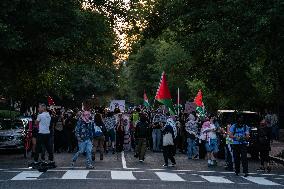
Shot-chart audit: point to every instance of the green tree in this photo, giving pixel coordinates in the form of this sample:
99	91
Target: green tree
54	47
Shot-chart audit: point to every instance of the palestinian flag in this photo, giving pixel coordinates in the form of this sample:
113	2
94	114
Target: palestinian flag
163	94
146	102
199	104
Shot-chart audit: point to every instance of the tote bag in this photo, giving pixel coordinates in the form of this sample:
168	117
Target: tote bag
168	139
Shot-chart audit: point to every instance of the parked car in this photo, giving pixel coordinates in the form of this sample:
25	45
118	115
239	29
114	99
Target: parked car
252	119
12	134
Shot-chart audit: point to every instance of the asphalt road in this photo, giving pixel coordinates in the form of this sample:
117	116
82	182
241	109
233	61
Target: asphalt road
124	171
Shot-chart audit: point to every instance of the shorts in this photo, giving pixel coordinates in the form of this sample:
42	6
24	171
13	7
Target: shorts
213	146
110	136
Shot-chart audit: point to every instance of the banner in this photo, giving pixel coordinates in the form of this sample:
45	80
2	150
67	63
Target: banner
117	104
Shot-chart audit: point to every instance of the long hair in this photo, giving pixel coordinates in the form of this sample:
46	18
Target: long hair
98	118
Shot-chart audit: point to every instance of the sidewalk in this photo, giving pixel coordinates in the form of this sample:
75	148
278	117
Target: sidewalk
277	147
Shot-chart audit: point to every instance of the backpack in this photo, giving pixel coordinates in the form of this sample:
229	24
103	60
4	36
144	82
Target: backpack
59	126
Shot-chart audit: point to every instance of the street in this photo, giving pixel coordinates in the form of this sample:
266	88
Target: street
124	171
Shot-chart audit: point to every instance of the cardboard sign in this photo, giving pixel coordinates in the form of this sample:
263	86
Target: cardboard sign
117	104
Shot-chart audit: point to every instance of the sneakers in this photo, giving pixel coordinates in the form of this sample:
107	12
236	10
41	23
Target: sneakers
165	165
196	157
90	167
72	164
141	160
246	175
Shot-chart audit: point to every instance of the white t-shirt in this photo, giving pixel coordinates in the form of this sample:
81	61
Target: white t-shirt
44	122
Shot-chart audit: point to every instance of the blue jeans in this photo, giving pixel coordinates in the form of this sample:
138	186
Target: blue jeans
156	135
191	148
85	146
212	146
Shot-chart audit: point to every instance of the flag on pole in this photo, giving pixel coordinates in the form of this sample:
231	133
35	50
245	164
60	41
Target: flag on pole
146	101
50	101
199	104
163	94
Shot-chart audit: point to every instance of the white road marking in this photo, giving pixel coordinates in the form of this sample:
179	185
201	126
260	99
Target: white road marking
156	169
146	179
197	181
123	160
76	174
122	175
261	181
169	176
27	175
217	179
206	171
183	170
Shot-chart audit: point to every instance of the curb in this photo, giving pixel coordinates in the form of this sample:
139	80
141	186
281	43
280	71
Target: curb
277	159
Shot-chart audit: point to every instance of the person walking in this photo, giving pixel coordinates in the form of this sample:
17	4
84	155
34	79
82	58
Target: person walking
43	137
120	134
275	127
156	133
191	134
99	134
110	122
141	131
83	132
263	141
169	135
229	155
239	132
208	132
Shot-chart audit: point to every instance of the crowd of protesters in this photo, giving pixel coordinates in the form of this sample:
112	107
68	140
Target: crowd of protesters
98	130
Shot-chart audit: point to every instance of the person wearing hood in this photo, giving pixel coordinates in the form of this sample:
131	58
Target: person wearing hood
191	128
169	133
84	134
